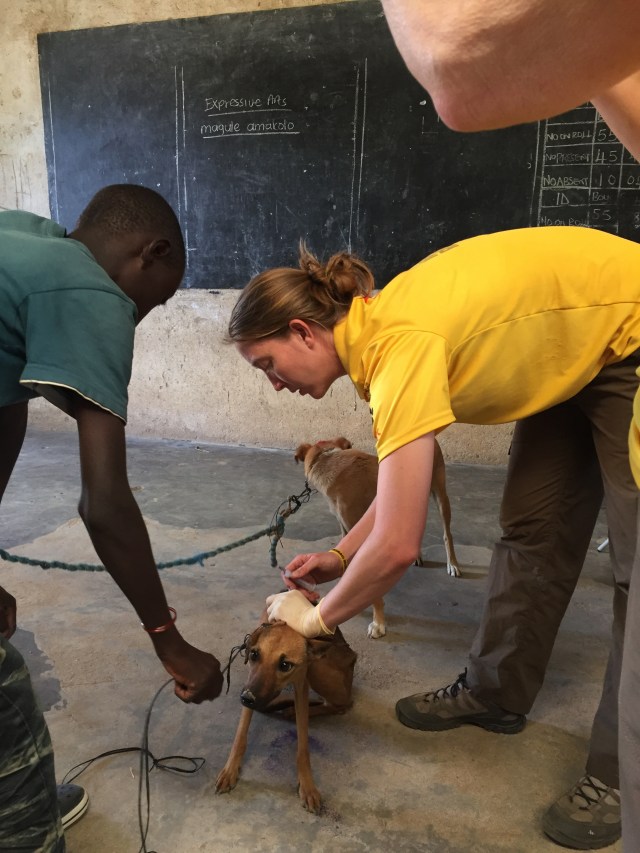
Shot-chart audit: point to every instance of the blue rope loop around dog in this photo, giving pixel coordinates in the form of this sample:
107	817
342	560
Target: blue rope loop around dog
275	531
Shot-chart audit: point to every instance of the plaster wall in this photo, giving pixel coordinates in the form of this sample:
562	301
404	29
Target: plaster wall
186	382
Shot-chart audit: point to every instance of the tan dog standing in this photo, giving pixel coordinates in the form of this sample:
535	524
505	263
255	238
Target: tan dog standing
278	657
348	479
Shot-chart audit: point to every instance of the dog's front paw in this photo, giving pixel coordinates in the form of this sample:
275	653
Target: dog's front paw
376	630
227	779
310	798
453	570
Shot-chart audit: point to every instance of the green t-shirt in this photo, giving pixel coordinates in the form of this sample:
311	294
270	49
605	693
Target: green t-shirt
65	326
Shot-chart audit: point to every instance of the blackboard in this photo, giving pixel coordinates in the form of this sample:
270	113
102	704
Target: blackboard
266	127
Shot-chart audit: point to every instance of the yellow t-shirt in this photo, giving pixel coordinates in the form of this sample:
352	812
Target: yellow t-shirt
492	329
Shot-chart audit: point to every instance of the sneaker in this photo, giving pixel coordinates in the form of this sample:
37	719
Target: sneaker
73	801
587	817
454	706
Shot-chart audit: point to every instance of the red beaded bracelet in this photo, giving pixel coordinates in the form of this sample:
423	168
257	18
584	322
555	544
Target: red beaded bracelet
162	628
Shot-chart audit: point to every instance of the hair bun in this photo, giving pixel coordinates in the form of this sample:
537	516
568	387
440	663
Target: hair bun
341	273
315	292
316	271
343	276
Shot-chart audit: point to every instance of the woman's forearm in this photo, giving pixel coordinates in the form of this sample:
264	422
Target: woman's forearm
375	569
392	529
352	541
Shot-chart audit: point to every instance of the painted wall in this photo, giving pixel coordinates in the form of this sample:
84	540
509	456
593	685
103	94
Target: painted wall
186	382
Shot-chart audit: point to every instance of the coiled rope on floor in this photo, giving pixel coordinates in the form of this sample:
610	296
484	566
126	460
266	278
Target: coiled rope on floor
275	530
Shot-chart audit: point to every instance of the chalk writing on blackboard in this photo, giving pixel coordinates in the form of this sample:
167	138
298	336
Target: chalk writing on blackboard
250	116
586	176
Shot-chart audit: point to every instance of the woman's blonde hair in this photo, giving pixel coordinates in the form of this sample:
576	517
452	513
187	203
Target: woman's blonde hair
316	292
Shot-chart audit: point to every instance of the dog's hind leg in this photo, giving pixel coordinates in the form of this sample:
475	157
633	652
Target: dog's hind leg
307	791
439	491
228	776
377	627
453	567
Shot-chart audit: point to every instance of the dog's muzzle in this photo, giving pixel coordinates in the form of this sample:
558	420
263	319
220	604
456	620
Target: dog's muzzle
248	699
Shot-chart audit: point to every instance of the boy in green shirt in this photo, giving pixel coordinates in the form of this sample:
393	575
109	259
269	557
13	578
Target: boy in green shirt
69	305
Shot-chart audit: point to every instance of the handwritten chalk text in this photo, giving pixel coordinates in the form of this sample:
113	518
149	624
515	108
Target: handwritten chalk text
225	104
248	116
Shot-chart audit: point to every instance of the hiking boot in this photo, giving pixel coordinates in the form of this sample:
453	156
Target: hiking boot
454	706
586	818
73	801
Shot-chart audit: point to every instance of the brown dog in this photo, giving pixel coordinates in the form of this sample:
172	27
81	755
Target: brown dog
278	656
348	479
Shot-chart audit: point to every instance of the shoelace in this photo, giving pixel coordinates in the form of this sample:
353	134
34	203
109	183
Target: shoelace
451	690
599	790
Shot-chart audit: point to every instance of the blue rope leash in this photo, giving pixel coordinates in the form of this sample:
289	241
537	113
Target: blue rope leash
293	502
275	531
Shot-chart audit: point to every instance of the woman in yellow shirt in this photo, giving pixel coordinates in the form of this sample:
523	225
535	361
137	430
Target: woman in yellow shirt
539	326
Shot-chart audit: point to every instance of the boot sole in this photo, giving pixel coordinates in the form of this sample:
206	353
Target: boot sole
574	843
490	725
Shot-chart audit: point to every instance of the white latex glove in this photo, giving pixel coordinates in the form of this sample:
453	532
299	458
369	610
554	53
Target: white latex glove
293	608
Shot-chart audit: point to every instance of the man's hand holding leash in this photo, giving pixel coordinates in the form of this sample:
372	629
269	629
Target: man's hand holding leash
196	673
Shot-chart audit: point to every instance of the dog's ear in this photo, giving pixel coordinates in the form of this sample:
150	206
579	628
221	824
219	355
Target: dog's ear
301	452
342	442
252	638
317	647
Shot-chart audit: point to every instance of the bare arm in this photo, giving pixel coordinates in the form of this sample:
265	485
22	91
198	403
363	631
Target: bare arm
112	516
352	541
489	64
120	537
620	108
324	566
402	501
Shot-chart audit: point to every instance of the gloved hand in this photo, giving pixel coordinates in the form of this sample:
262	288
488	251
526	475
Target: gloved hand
293	608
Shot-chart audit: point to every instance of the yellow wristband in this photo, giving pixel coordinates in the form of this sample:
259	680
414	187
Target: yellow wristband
325	630
343	559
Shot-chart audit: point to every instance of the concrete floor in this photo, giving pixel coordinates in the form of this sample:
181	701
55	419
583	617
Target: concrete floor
385	787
